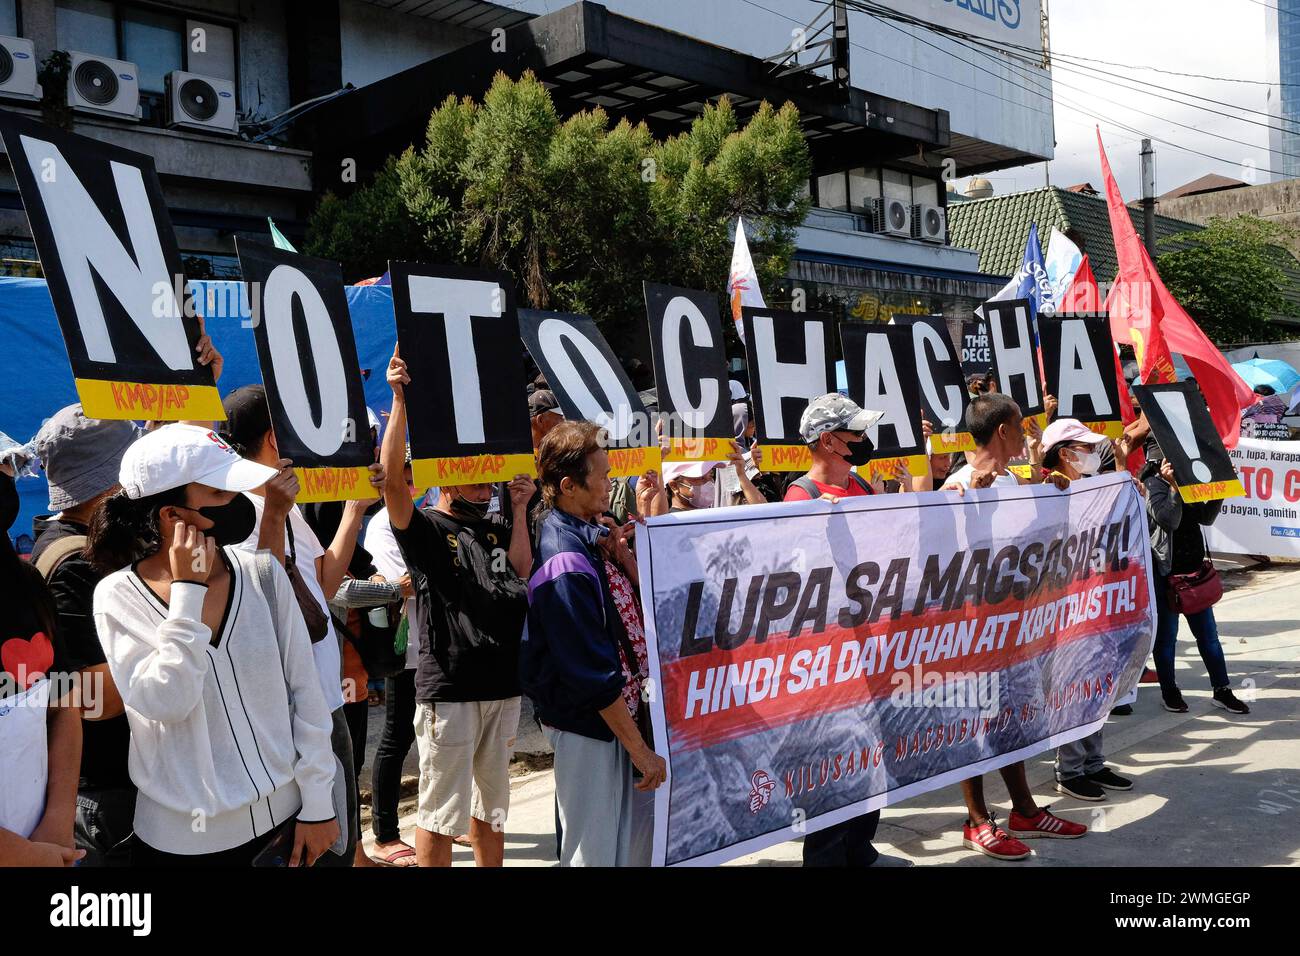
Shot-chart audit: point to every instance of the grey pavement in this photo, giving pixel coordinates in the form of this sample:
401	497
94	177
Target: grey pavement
1210	788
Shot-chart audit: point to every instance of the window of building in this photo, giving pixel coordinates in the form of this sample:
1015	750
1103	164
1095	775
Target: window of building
864	186
87	26
897	185
155	43
9	18
925	191
832	191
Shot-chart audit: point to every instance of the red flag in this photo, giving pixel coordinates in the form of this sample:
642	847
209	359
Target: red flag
1082	295
1143	311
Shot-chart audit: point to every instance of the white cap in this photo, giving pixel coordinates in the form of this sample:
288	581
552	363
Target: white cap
738	393
176	455
673	470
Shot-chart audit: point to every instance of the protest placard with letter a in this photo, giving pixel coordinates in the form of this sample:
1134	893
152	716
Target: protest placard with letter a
880	364
1079	369
944	395
114	270
690	372
1015	359
791	359
1180	421
459	334
590	384
308	358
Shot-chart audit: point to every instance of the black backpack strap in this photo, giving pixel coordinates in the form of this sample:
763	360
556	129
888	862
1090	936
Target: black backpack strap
862	483
807	486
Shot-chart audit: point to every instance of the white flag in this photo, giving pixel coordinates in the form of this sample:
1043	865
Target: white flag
1062	263
742	286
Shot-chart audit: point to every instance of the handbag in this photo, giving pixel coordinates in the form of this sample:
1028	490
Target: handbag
1194	592
317	621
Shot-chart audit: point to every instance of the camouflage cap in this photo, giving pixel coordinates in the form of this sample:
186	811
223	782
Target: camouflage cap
834	413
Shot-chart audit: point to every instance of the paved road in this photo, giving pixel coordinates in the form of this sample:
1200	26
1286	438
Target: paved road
1211	789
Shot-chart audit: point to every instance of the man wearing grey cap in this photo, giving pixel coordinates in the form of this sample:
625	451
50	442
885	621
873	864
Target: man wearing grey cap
81	457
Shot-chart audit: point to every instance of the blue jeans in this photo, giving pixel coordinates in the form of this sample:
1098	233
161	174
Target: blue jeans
1203	628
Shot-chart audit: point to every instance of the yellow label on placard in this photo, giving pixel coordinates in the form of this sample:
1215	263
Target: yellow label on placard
699	449
1028	419
949	443
1112	430
334	484
1212	491
1024	471
144	402
624	462
470	470
887	467
786	457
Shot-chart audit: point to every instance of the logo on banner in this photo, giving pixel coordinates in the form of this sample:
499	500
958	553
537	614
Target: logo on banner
761	788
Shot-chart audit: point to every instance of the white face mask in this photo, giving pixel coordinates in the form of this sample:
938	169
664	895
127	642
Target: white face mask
1088	463
699	496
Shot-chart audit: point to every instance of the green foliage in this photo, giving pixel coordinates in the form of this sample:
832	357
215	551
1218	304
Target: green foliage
579	212
1232	277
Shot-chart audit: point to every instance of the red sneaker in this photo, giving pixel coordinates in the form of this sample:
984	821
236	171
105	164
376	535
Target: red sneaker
991	840
1149	676
1045	825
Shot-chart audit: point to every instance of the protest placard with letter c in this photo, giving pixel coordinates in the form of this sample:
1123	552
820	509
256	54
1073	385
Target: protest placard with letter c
791	360
944	395
308	357
459	335
690	372
114	271
590	384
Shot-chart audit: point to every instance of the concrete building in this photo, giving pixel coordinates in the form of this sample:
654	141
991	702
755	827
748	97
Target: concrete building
1277	202
893	111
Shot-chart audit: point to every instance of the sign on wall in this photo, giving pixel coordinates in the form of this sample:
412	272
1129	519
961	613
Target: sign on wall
690	372
590	384
308	358
791	359
108	251
459	335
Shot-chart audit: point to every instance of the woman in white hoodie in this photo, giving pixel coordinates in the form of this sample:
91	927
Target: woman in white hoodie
230	736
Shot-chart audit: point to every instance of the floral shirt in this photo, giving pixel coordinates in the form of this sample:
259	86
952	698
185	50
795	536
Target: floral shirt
620	587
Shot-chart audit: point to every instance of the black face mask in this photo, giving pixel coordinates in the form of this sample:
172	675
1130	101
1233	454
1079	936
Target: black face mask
232	522
469	510
859	451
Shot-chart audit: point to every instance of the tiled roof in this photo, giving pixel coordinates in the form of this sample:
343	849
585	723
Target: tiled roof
1209	183
997	227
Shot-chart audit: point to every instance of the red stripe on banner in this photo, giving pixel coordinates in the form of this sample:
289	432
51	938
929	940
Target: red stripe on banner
717	687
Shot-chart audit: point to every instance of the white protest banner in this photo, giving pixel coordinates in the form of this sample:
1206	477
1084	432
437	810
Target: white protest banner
1267	521
114	270
816	661
308	358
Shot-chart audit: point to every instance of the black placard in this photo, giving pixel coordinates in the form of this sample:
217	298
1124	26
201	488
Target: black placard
110	257
585	375
791	358
944	396
1015	359
308	357
459	335
1180	421
880	364
690	370
976	355
1079	366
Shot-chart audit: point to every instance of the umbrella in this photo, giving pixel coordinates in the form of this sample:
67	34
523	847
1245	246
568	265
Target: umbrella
1275	373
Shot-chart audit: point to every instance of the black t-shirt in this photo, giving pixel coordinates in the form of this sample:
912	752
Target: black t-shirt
471	604
104	743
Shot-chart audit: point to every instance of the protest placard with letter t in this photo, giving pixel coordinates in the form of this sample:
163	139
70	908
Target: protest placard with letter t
1180	421
459	334
114	270
309	363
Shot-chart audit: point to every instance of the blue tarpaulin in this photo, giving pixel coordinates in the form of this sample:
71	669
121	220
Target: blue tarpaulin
36	380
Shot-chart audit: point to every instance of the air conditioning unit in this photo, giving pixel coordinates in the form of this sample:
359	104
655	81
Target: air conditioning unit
201	102
97	84
892	216
929	222
18	70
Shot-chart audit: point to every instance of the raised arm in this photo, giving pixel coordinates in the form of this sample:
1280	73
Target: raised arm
397	498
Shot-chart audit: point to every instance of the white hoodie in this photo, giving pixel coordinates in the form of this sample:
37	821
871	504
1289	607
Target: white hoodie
227	741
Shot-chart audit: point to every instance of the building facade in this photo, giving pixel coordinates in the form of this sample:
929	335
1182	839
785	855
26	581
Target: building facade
892	111
1282	25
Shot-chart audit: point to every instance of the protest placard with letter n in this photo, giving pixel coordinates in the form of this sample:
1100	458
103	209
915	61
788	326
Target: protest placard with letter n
590	384
459	335
690	372
308	358
791	360
1015	359
114	270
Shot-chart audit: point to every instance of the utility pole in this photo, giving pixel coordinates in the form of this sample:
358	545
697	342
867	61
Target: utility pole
1148	167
